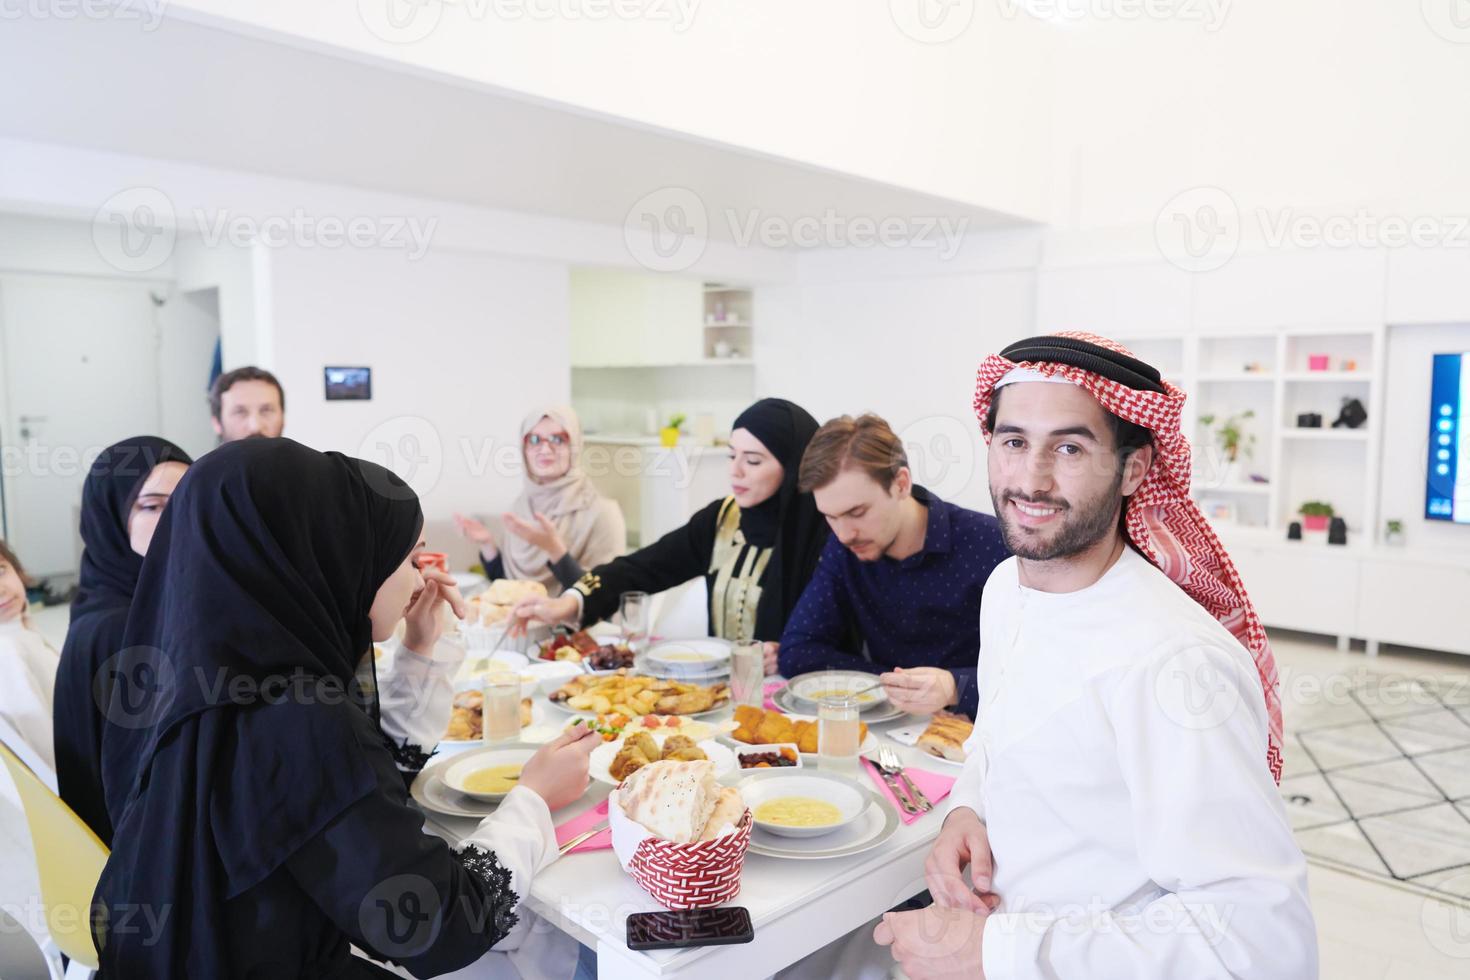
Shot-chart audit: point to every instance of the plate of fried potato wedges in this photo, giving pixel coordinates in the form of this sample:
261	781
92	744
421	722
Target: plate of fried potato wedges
613	762
756	726
633	695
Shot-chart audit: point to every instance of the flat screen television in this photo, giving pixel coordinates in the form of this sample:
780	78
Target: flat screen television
1447	497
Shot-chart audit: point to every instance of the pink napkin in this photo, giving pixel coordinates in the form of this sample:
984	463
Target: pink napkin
771	688
931	784
586	822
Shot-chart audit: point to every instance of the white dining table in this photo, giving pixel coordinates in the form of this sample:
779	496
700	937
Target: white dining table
796	906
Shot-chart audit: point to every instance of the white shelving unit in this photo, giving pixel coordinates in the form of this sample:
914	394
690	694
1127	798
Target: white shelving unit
1267	373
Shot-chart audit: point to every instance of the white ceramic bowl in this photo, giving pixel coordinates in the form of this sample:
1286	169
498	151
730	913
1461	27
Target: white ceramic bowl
774	784
698	656
469	762
742	750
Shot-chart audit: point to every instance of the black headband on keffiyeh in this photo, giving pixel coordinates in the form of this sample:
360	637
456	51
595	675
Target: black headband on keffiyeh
1162	519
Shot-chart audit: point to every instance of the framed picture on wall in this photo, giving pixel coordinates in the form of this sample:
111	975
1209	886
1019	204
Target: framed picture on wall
348	383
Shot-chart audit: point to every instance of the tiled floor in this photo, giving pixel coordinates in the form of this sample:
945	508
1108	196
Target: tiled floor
1369	928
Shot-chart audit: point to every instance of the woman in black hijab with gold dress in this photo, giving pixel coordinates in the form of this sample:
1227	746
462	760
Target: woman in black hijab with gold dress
261	825
756	548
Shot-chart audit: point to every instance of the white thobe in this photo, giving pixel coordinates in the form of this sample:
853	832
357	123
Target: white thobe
1119	764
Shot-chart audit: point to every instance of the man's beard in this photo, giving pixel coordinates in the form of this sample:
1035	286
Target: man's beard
1095	520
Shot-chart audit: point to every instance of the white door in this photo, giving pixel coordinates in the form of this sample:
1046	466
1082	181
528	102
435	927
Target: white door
80	372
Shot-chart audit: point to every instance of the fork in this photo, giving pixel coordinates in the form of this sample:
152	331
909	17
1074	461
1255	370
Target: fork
891	782
891	764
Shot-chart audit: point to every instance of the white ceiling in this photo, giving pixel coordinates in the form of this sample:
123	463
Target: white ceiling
206	96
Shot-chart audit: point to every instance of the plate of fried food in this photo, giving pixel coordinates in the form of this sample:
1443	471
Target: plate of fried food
613	762
466	722
634	696
755	726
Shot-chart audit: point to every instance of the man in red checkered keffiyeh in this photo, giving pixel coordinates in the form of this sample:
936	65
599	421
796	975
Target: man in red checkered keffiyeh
1113	816
1162	520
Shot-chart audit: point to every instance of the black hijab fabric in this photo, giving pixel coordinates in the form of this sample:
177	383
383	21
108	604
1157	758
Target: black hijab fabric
788	521
99	612
231	744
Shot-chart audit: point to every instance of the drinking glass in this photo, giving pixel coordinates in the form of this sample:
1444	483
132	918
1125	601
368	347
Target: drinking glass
837	734
501	711
633	615
748	674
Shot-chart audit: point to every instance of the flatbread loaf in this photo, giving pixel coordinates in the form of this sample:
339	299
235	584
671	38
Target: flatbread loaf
509	591
727	813
672	800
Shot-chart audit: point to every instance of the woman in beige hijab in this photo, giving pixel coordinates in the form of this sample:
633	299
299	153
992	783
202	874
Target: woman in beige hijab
560	524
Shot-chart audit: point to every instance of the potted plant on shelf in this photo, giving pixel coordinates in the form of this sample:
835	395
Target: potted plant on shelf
1316	515
1234	442
1393	533
668	436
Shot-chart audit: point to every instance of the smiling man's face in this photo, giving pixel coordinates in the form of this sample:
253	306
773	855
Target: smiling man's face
1055	477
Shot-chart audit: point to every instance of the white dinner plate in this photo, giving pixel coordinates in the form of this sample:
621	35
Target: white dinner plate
602	757
909	735
877	822
877	715
807	689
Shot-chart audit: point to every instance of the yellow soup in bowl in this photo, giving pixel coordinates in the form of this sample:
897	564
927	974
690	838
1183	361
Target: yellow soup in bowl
797	811
493	779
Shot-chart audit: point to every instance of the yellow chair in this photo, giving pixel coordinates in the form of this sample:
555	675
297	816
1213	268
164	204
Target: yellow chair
69	860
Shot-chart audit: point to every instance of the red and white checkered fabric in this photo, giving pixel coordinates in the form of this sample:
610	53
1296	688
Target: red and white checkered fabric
1163	521
700	875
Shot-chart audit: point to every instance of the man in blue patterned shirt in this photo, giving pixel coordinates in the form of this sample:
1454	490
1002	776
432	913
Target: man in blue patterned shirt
903	571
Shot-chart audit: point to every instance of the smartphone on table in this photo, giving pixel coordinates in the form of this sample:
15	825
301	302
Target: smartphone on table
722	926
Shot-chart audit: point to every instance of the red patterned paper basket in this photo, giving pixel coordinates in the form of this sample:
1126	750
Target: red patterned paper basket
699	875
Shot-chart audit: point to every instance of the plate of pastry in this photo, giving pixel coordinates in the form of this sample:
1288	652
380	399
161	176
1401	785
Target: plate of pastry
755	726
942	737
634	696
466	721
612	762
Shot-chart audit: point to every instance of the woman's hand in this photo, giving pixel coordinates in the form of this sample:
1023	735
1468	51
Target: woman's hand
543	534
773	653
424	621
559	610
558	771
477	532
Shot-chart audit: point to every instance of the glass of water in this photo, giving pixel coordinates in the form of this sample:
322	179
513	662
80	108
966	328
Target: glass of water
748	674
501	712
837	734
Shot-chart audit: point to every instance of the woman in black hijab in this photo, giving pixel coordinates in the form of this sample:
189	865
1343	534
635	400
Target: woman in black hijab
259	815
757	548
122	498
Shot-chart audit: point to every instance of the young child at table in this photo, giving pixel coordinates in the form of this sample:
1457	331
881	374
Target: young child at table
27	663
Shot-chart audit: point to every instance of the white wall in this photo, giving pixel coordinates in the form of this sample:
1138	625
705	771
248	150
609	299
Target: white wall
460	345
188	324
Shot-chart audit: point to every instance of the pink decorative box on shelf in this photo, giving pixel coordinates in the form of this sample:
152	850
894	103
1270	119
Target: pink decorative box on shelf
1316	362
